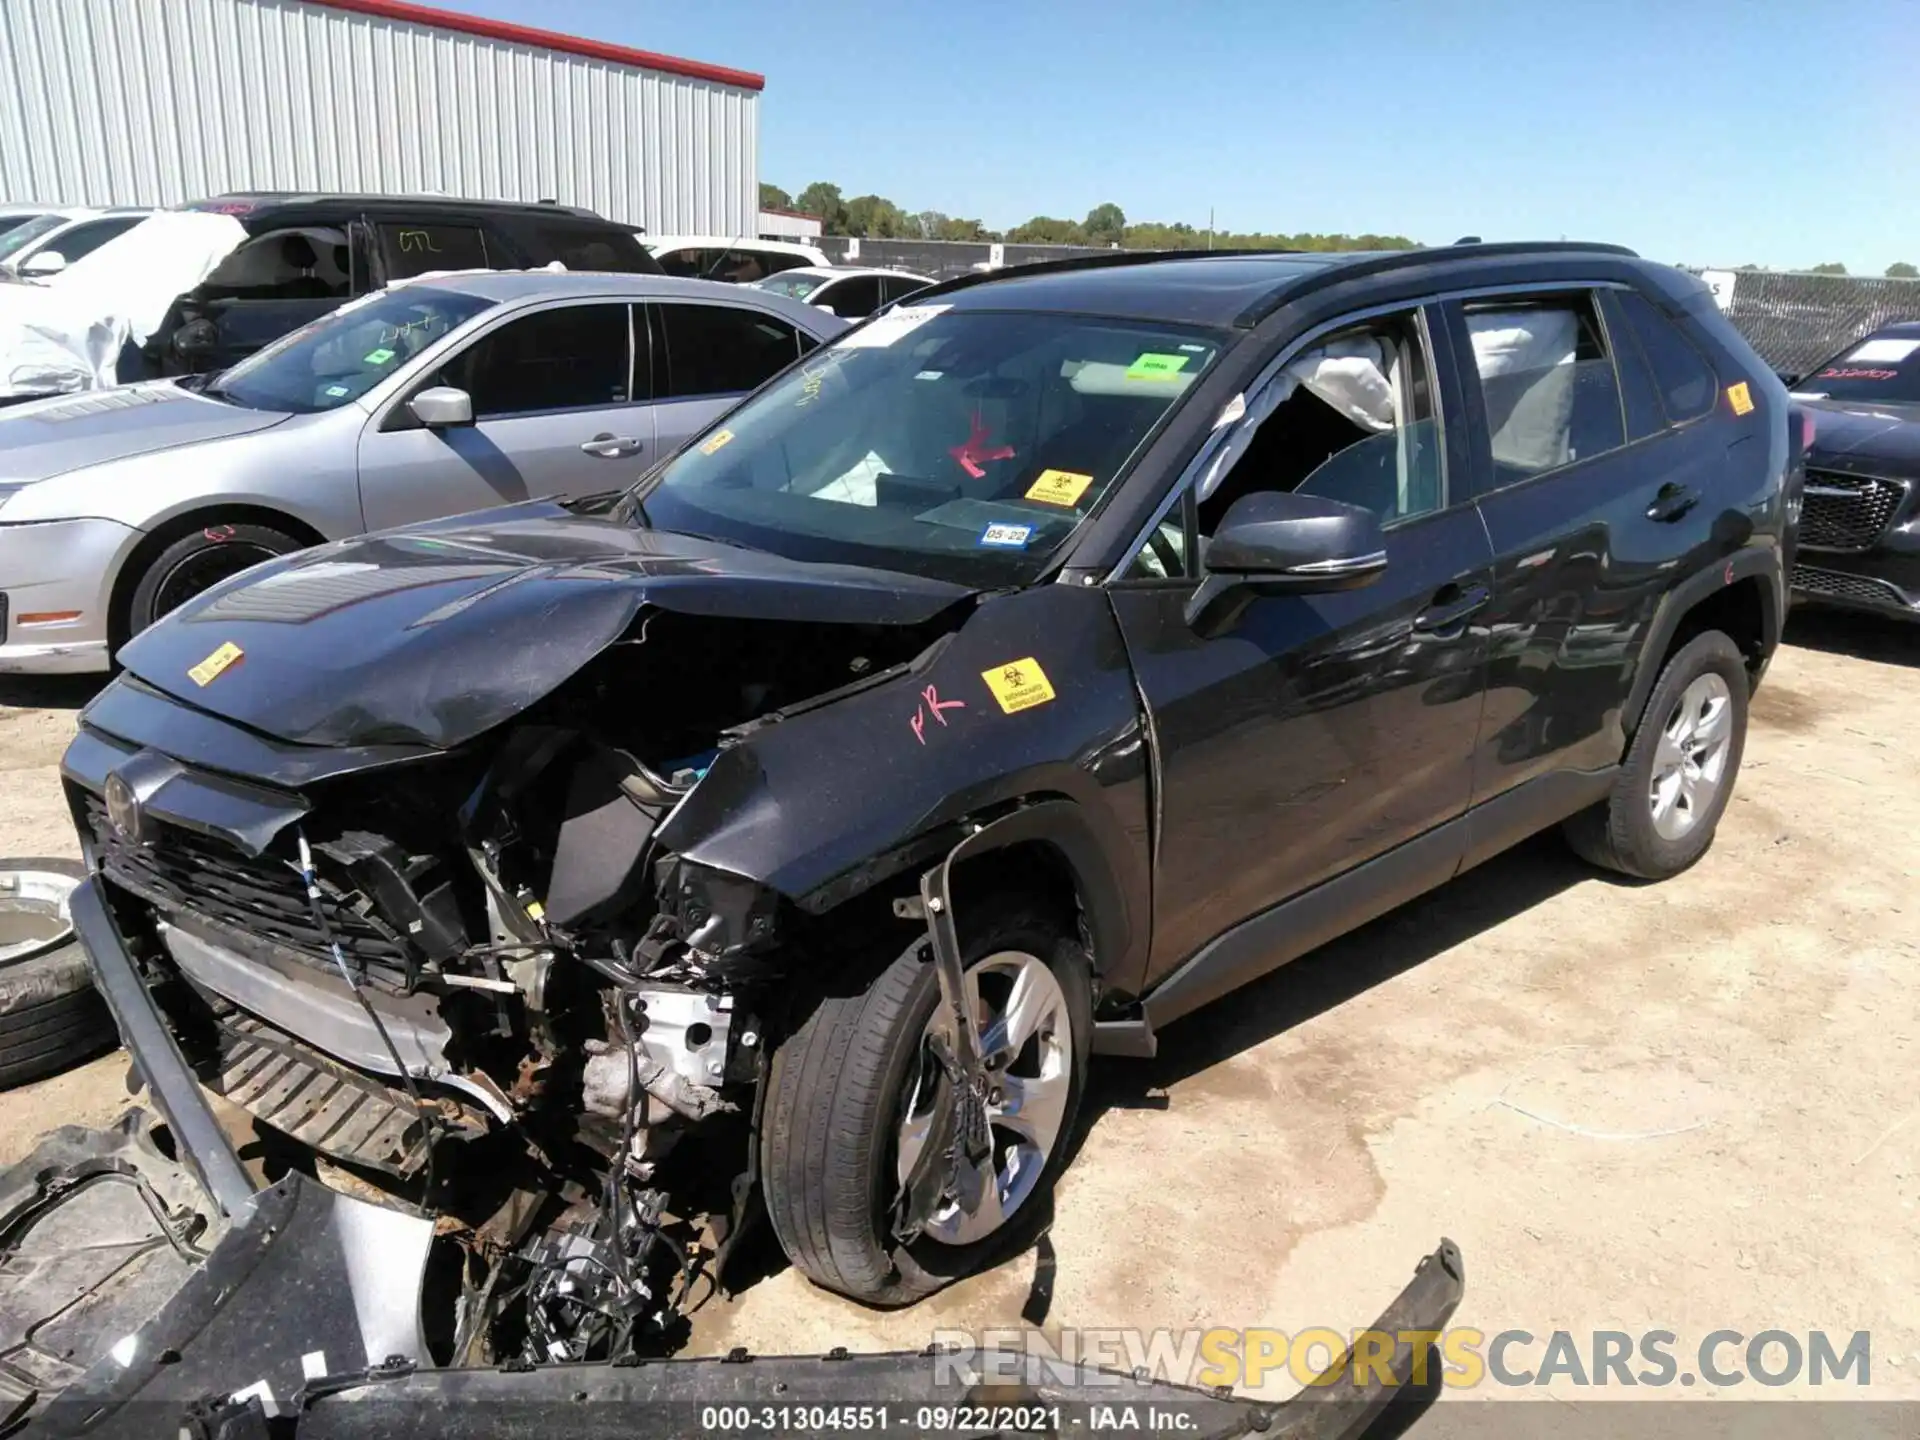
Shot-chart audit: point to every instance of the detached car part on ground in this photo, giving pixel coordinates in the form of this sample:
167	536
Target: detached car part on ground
1860	529
1007	680
137	1306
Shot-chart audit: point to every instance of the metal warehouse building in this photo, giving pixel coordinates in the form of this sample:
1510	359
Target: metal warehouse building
153	102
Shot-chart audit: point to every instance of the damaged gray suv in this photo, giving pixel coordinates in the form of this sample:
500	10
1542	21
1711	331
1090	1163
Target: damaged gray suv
1007	679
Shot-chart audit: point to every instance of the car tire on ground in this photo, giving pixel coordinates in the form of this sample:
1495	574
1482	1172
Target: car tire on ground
197	561
51	1018
848	1086
1680	769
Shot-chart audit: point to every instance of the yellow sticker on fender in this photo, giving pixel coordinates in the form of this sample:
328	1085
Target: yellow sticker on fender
208	670
1059	487
1018	685
1740	398
720	437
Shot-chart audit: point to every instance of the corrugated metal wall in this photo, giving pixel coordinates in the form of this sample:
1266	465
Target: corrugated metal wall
152	102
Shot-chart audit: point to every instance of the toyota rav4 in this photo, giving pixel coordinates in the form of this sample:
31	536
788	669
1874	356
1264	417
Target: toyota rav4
1001	683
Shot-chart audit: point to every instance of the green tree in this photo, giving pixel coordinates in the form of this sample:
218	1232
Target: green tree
1901	270
772	197
1105	225
1046	230
1832	267
871	215
958	229
824	200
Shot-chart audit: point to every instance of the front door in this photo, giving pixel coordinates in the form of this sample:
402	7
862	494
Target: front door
554	410
1317	732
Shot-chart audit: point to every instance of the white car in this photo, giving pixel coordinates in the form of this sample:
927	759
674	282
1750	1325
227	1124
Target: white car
849	291
740	259
46	242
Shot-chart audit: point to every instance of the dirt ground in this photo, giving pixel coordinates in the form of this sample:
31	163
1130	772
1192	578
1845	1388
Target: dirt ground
1689	1106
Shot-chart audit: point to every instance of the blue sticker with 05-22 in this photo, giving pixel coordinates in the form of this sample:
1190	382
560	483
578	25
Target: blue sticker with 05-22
1011	537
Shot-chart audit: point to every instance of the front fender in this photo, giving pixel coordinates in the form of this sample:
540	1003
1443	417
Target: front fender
825	804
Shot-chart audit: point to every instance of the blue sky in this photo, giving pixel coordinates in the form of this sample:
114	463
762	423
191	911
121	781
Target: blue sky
1697	131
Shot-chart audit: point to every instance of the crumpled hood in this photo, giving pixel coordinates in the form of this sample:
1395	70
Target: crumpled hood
45	438
1856	435
434	634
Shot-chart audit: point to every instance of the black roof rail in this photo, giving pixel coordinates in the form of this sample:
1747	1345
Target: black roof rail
1109	260
1379	262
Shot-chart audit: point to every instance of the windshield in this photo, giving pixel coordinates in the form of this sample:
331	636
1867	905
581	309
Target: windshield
963	446
341	356
1883	367
792	283
23	235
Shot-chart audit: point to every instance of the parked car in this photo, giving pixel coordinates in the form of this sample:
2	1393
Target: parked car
1860	527
1036	663
47	243
422	400
736	259
12	216
848	291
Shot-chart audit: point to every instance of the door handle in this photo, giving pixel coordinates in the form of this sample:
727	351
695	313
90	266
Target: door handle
1451	605
1670	502
611	447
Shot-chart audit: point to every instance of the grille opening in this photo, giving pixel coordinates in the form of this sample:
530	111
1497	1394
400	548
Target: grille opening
1836	585
1851	514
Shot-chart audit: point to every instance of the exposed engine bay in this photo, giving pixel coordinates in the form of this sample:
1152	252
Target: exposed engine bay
478	985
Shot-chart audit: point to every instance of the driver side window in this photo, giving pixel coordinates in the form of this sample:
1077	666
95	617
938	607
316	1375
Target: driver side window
1351	418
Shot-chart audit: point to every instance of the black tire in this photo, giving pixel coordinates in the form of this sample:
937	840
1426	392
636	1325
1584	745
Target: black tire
835	1092
1618	833
51	1018
197	561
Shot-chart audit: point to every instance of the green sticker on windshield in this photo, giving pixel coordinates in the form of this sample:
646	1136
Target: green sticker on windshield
336	391
1151	366
378	357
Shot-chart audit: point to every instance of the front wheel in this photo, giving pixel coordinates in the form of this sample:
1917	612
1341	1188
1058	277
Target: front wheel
198	561
856	1095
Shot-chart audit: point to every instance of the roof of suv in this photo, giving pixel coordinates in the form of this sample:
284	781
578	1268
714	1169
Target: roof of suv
1198	287
256	201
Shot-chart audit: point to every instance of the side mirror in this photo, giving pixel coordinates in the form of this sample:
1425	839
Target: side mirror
1789	378
1277	542
47	262
441	407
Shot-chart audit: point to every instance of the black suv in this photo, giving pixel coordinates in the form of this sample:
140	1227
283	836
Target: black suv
306	255
1009	678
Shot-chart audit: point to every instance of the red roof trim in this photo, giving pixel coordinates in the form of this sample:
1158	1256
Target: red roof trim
548	40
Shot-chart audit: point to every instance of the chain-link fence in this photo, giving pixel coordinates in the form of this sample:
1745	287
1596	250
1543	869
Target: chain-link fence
1795	321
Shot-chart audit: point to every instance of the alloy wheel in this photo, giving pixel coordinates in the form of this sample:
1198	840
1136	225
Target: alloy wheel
1690	761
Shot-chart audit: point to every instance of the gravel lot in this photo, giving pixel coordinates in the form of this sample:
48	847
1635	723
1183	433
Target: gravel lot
1688	1106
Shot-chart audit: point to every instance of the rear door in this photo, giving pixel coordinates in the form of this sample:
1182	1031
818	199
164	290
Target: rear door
853	298
559	409
705	357
1589	509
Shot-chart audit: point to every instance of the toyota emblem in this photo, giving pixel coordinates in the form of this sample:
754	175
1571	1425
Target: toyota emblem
123	809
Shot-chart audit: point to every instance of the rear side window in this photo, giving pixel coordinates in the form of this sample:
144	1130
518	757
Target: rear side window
1686	382
85	239
723	349
898	287
1548	385
854	298
412	249
584	247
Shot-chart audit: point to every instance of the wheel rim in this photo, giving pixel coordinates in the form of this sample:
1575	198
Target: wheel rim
1690	761
202	570
33	913
1026	1039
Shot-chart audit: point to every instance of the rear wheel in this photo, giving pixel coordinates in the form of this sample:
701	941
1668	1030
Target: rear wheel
856	1096
1680	768
51	1018
198	561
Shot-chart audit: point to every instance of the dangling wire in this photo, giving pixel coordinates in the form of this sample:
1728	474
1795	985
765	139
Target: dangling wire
346	973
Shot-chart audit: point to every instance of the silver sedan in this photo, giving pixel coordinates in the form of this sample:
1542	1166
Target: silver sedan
426	399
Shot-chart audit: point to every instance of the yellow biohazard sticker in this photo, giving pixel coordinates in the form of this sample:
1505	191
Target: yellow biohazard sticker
720	437
208	670
1059	487
1018	685
1740	398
